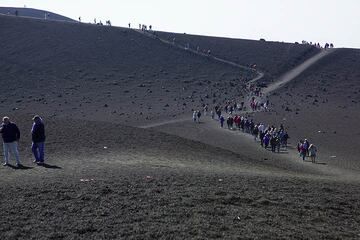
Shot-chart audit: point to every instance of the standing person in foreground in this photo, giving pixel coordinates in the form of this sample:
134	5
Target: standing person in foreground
38	139
11	135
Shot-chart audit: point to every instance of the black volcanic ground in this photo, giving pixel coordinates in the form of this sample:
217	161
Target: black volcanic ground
106	178
272	58
33	13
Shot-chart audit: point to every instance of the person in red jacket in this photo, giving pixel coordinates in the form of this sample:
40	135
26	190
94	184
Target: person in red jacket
11	135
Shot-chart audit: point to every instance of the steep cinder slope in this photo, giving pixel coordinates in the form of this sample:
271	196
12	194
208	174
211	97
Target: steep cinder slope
99	72
323	105
273	58
33	13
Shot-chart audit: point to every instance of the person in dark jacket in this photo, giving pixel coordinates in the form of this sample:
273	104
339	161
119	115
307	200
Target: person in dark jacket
10	135
38	139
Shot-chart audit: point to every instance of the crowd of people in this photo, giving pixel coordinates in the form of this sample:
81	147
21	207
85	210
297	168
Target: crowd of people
11	135
269	137
326	45
306	149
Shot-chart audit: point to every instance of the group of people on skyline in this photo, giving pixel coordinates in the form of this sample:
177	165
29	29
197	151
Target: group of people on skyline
326	45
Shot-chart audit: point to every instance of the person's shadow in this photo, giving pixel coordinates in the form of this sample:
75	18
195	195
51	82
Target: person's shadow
45	165
20	167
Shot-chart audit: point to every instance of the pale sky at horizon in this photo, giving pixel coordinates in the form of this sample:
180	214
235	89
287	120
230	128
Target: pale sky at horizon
275	20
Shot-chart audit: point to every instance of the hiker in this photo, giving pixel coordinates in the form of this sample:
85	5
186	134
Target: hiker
222	120
277	144
194	116
266	140
284	139
255	132
79	19
198	116
212	114
11	135
306	147
301	149
312	152
206	108
273	143
38	139
218	112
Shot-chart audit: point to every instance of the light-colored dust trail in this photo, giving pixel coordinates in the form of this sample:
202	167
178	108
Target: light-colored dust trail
295	72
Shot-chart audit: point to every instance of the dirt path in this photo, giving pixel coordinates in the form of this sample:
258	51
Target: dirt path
259	74
177	127
287	77
295	72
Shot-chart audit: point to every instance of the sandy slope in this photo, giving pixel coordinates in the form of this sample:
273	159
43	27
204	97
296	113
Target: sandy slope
322	105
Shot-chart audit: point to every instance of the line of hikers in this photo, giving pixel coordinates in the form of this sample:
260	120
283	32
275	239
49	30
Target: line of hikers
11	135
269	136
231	107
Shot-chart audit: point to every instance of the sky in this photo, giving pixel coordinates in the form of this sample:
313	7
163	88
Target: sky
332	21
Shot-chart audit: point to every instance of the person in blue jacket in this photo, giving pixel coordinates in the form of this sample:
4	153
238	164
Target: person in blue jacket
38	139
11	135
